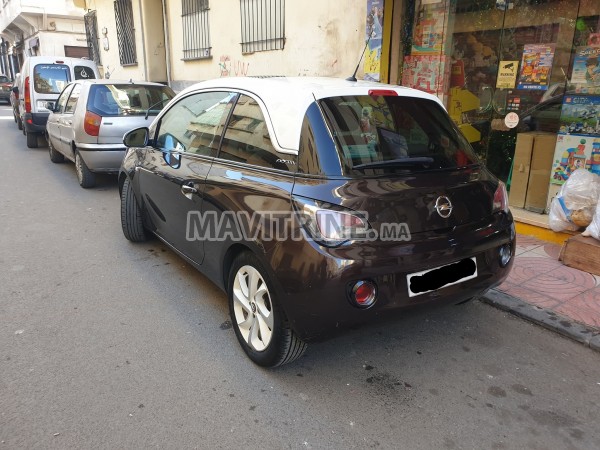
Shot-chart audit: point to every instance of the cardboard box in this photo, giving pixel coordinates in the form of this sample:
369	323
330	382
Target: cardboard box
581	253
521	168
539	173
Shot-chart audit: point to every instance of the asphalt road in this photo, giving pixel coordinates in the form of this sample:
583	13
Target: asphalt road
108	344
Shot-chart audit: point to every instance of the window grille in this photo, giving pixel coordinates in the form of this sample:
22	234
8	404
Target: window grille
91	33
196	32
125	32
263	25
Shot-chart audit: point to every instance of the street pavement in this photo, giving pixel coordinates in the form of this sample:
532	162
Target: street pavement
108	344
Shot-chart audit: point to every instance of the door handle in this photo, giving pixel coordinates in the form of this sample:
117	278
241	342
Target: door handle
69	122
188	190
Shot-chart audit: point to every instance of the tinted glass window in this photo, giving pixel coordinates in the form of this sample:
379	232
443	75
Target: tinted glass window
195	123
83	73
247	138
62	100
72	102
128	99
416	134
50	78
4	79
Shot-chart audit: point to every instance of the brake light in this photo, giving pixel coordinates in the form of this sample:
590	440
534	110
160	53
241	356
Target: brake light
501	198
382	92
91	123
339	226
27	96
330	225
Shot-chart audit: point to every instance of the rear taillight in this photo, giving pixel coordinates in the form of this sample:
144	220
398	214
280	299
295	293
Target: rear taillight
330	225
91	123
27	96
500	198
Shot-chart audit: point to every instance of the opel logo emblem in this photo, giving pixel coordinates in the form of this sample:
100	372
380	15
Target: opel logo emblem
443	206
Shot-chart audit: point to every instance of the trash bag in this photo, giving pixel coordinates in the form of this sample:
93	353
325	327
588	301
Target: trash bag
575	205
593	229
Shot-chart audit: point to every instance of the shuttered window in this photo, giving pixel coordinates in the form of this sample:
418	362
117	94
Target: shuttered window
125	32
91	33
263	25
196	32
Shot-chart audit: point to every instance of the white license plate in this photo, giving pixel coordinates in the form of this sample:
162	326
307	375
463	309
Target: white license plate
433	279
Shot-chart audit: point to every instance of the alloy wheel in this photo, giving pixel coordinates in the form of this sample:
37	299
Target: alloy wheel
252	307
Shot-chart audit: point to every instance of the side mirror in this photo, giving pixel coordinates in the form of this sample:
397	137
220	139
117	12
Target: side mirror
16	90
50	106
137	137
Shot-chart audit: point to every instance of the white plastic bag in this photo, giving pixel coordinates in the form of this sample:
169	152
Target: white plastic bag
593	229
575	205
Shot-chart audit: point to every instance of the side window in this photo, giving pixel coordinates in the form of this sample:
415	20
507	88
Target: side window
247	138
62	100
195	124
72	102
83	73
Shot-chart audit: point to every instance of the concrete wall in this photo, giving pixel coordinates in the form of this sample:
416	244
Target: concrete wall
323	38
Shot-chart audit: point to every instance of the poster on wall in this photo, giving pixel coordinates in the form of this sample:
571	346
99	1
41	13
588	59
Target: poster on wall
580	115
507	74
585	78
536	66
427	73
431	22
574	152
374	30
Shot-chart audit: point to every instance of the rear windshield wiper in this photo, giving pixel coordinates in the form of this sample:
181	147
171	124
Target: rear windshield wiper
415	161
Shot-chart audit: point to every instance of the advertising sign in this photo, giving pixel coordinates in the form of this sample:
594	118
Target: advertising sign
374	30
585	78
427	73
536	66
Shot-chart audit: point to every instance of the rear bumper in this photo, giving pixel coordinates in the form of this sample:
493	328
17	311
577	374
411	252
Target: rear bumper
314	287
102	158
35	122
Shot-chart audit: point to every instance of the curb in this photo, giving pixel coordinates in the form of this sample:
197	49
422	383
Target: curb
589	337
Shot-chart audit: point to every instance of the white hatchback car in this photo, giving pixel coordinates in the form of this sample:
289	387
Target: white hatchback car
89	120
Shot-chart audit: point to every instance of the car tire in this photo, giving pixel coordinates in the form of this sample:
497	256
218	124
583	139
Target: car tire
260	324
131	216
32	140
85	176
55	157
19	124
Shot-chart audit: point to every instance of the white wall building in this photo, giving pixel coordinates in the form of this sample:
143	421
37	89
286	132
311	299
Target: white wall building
40	27
181	42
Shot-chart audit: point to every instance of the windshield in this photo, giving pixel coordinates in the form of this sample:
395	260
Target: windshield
50	78
389	134
128	99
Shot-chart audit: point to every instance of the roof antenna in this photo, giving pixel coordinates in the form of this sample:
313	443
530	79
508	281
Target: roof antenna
353	76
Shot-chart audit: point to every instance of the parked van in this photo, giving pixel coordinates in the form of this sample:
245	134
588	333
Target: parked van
42	79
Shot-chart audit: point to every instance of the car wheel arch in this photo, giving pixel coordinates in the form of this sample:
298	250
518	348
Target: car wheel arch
236	249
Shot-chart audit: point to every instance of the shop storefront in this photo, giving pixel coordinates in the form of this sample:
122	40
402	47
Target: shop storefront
504	68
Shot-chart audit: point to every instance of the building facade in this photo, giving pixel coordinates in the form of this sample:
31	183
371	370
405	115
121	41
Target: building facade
503	68
33	27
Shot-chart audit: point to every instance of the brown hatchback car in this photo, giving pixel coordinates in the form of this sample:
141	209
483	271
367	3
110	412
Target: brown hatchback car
316	203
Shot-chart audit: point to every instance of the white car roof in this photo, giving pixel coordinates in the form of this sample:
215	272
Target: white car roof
288	98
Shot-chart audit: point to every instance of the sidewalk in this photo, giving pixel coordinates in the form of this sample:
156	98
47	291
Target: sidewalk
541	289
